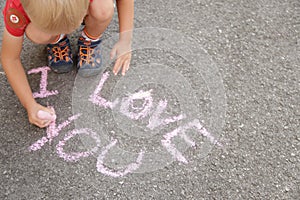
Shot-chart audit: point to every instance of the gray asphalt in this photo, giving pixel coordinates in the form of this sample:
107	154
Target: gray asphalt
255	47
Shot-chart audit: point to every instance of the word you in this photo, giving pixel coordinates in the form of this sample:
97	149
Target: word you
128	109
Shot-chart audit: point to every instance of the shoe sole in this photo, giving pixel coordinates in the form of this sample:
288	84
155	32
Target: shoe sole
62	69
89	72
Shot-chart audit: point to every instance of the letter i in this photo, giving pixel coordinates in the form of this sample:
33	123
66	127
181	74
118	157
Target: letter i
43	93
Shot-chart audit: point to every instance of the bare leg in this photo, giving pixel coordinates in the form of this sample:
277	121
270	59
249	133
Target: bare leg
99	16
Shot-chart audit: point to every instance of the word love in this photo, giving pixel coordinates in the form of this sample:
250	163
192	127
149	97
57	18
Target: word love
128	109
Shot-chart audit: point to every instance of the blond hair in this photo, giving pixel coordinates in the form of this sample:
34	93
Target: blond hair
59	16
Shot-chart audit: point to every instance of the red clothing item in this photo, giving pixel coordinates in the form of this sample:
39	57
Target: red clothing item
15	18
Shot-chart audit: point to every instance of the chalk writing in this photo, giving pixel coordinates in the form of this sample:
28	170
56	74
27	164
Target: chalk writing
43	83
52	132
181	131
130	110
117	173
75	156
100	101
127	103
155	119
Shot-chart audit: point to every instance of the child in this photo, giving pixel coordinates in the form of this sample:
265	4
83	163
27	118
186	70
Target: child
49	22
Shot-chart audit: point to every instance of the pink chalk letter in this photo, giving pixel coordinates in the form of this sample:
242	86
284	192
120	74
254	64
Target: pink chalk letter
96	98
139	112
43	84
52	132
181	131
114	173
75	156
155	120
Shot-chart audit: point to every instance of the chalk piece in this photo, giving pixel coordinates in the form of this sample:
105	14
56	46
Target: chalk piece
46	115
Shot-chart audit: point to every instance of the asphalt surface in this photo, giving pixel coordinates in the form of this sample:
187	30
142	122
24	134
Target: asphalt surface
250	105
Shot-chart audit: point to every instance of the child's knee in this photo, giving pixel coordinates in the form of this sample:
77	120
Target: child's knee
102	10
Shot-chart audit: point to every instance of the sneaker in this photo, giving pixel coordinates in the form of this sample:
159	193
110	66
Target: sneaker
89	57
60	56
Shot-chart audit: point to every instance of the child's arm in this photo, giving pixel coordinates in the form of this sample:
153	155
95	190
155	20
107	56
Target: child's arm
123	47
11	62
125	14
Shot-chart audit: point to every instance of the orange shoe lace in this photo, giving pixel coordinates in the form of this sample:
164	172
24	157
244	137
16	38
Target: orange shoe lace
61	54
89	56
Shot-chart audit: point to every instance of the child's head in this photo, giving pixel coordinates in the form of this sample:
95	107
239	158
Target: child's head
56	16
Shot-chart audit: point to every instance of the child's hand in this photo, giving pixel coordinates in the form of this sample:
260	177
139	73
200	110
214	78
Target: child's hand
123	51
33	110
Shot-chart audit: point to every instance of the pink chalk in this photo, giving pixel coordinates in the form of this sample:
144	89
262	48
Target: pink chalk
127	103
156	120
75	156
121	172
52	131
181	131
96	97
43	93
46	115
